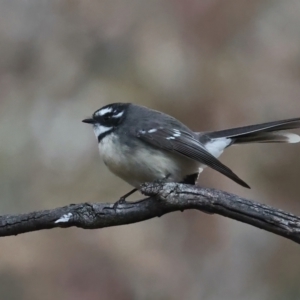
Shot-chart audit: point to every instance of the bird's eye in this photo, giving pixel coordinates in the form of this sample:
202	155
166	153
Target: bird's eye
106	117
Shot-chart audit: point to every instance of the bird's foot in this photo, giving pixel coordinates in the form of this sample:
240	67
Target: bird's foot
122	200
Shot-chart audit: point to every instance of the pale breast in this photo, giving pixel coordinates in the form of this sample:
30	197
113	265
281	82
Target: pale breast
113	156
144	164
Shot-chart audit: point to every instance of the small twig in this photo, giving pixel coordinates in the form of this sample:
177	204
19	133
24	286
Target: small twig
165	198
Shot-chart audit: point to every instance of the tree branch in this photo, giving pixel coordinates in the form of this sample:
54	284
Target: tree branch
164	198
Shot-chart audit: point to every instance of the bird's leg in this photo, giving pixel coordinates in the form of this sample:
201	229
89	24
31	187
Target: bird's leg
122	200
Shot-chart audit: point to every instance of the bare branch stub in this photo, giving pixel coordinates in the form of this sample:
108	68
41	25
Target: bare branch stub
164	198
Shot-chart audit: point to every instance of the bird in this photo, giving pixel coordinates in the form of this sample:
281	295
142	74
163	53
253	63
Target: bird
139	144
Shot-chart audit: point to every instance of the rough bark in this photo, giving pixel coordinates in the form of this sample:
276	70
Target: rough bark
164	198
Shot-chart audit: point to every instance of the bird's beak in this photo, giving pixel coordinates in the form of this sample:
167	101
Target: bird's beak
89	121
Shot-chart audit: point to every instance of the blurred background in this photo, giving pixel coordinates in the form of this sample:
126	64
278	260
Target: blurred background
213	64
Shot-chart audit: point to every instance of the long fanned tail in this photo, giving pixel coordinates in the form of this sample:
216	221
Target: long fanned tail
271	132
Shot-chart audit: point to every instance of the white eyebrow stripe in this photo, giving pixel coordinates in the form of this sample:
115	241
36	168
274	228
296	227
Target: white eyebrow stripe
120	114
152	130
104	111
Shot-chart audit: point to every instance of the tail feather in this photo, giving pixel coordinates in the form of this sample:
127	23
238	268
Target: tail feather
270	132
215	142
268	137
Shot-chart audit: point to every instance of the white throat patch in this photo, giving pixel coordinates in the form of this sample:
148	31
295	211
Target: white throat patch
99	129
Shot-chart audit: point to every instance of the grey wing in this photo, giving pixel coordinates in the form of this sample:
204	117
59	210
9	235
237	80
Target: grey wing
184	143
